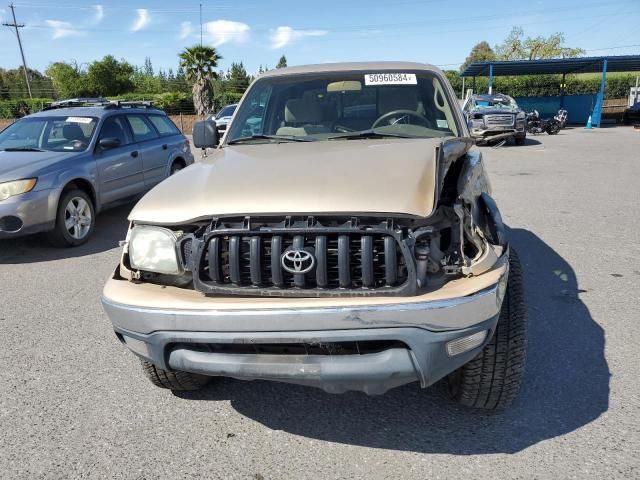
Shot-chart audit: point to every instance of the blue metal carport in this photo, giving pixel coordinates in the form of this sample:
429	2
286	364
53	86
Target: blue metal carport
622	63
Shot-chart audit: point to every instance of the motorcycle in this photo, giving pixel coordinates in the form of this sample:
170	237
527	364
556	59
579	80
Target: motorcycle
562	118
536	125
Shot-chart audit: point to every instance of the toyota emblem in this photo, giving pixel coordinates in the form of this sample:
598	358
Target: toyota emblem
297	261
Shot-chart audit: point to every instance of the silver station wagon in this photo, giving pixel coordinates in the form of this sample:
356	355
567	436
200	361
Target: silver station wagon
61	166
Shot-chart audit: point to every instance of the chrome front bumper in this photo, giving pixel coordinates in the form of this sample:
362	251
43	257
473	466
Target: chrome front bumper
178	339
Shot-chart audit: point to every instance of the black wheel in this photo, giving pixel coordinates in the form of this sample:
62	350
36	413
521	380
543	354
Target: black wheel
75	219
176	167
553	129
521	140
173	380
492	379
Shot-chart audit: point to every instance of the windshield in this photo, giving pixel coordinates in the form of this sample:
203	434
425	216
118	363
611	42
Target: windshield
496	102
53	134
339	105
226	111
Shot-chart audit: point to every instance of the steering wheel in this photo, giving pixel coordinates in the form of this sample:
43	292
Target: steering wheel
405	113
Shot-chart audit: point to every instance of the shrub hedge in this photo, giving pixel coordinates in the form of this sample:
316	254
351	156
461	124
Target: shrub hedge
548	85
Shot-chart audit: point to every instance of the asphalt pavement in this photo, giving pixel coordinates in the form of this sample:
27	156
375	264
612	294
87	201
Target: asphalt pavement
74	403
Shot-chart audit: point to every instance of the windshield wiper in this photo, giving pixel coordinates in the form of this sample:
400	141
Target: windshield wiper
22	149
269	137
369	134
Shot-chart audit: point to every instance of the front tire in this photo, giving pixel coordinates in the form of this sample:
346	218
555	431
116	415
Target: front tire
176	167
492	379
553	129
173	380
75	220
521	140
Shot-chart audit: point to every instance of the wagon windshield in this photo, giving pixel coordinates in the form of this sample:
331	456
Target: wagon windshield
344	105
54	134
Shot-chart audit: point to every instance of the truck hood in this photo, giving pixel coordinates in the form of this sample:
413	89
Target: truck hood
390	176
17	165
495	110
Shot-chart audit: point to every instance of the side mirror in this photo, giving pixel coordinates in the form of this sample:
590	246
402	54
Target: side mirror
205	134
108	143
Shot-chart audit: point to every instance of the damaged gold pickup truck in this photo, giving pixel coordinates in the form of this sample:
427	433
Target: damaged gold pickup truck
341	235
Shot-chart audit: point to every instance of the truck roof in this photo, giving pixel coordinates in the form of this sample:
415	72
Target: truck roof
349	67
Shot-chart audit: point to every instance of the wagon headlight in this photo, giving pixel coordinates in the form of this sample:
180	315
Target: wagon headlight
16	187
153	249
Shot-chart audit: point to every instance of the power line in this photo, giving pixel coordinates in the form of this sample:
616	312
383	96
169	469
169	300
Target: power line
17	26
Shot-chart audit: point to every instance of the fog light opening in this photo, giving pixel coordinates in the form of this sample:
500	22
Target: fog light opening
464	344
10	224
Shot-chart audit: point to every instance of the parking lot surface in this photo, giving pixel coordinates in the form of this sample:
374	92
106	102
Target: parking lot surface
75	404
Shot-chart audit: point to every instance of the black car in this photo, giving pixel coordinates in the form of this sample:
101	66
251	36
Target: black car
632	114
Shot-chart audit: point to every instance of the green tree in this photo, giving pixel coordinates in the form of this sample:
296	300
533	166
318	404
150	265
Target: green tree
517	47
481	52
282	63
237	78
199	63
148	67
110	77
68	80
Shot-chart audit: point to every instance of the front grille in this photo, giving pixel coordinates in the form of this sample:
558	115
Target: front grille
348	259
498	120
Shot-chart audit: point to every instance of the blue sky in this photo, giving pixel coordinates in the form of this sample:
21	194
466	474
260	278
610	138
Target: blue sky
258	32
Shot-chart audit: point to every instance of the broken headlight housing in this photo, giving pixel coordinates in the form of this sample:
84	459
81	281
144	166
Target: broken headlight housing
153	249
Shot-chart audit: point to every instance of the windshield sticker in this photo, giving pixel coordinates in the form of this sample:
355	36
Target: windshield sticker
79	120
390	79
442	123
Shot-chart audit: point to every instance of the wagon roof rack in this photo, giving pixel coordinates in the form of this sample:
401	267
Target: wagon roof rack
98	102
129	104
77	102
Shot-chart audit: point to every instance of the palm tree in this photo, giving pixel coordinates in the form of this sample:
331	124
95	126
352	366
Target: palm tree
199	63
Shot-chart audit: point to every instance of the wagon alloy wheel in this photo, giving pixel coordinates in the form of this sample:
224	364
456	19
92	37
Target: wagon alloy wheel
75	219
78	218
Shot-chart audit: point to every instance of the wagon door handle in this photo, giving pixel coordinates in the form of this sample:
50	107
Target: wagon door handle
134	154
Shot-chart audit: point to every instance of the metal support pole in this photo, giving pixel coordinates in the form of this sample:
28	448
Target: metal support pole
24	62
562	90
462	92
473	85
490	78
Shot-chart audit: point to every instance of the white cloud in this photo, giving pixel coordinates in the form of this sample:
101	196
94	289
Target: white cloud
283	36
185	30
98	14
225	31
62	29
142	20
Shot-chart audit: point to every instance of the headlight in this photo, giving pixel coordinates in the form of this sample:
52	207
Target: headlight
153	249
9	189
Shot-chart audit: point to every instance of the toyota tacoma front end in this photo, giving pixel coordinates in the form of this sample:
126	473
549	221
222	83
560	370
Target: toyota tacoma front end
352	244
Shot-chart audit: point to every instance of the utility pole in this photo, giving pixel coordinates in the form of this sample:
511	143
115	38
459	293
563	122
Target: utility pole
16	25
200	24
